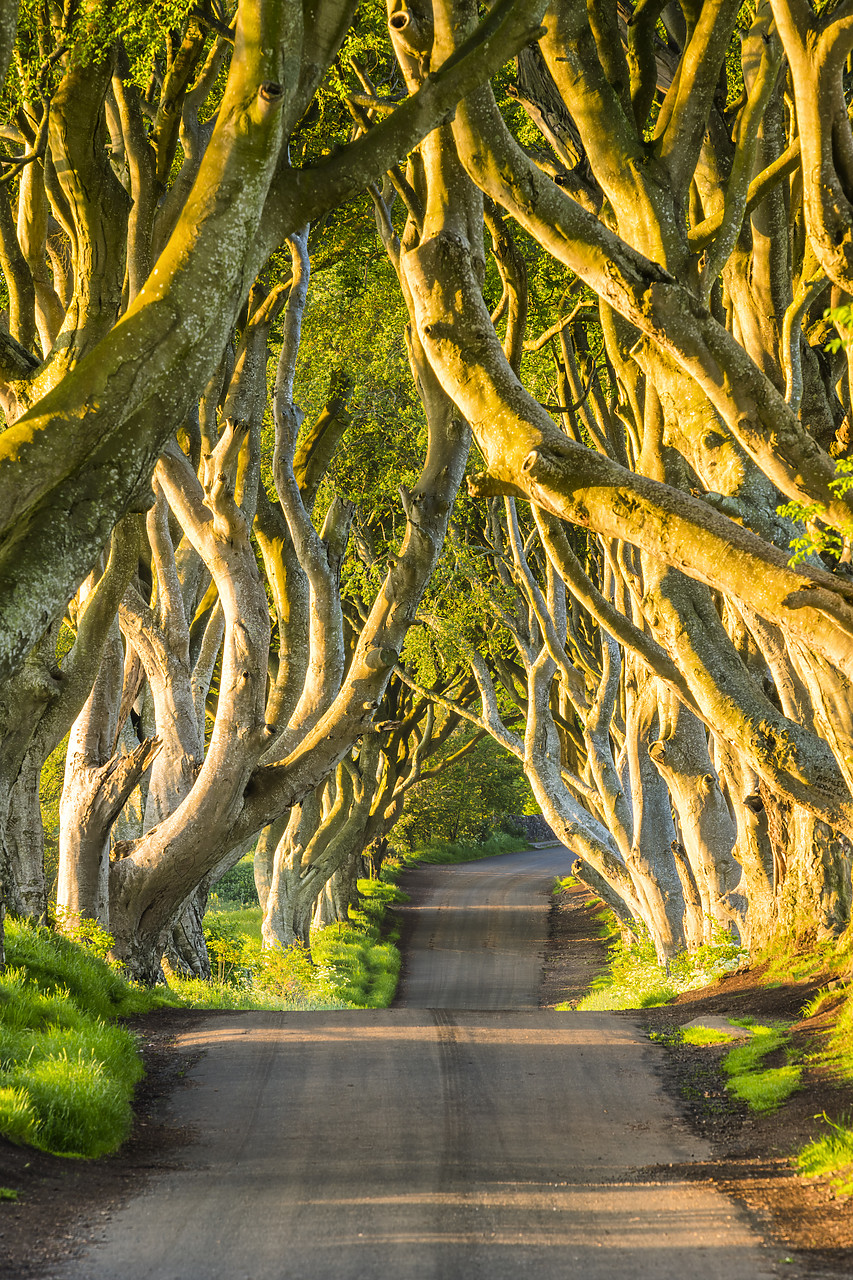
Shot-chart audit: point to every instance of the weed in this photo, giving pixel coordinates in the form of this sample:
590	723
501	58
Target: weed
832	1154
668	1038
8	1193
445	851
351	965
820	999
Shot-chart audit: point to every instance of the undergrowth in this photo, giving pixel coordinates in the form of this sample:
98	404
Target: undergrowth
67	1071
635	979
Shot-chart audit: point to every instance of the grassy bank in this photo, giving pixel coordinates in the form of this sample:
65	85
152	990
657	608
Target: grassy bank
821	1043
67	1070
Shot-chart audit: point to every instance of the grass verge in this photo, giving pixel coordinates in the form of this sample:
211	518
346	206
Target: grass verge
67	1071
636	980
831	1155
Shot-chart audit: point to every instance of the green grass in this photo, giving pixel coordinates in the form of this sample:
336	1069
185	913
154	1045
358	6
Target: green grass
761	1089
705	1035
766	1090
438	852
636	980
67	1071
351	965
831	1155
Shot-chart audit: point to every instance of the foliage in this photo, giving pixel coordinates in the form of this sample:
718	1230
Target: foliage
831	1155
636	980
238	884
466	801
56	963
87	933
349	965
67	1072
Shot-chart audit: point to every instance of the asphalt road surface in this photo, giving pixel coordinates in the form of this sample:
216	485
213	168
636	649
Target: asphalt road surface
461	1135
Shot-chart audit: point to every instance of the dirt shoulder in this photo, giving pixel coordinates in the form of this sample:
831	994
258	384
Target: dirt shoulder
751	1153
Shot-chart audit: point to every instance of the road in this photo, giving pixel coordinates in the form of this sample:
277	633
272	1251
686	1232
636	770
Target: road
461	1135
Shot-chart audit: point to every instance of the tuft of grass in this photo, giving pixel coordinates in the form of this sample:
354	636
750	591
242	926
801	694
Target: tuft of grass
761	1090
67	1071
705	1035
821	998
766	1090
18	1119
749	1055
831	1155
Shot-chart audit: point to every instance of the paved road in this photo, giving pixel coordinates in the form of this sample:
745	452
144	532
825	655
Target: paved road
479	931
485	1141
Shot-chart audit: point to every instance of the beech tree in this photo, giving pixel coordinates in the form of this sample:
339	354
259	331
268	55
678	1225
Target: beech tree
683	173
672	189
138	212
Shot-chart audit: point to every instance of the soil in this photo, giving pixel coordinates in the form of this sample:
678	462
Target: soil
61	1203
750	1152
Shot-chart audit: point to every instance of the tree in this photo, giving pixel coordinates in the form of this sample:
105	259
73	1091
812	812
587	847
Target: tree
666	191
126	274
648	182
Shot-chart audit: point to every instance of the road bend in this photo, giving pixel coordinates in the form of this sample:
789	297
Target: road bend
463	1134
